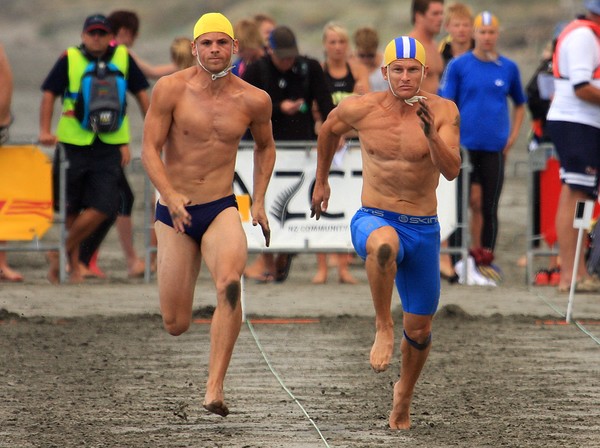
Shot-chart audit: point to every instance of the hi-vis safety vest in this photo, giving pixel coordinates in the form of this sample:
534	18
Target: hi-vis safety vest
578	23
69	128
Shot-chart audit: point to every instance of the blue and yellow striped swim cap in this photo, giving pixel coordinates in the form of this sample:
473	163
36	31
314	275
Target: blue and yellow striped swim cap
486	18
213	22
404	47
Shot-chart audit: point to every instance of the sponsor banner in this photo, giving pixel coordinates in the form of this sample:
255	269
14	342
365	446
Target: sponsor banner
288	201
25	193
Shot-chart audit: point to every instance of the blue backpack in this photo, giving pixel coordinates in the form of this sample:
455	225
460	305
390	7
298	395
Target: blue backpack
101	102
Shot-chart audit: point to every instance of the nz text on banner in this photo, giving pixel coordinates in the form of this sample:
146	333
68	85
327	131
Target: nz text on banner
25	193
288	201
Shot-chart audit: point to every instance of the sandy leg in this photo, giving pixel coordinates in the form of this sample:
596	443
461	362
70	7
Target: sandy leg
216	407
400	416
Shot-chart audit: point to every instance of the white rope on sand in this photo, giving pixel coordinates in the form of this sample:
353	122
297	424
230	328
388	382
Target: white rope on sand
278	378
577	323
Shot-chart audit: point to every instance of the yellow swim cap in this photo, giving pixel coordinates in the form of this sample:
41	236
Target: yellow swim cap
404	47
213	22
486	18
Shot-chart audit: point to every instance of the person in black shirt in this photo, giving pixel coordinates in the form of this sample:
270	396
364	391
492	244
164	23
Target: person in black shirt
294	82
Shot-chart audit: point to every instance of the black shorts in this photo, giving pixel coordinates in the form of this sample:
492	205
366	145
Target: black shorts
202	215
578	148
92	177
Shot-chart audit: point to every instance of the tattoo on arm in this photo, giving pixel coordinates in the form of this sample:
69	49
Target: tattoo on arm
457	121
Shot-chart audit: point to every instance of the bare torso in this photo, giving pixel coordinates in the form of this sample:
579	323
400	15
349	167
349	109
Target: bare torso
202	142
398	172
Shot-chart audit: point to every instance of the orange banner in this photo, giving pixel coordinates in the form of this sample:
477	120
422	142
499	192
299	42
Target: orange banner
25	193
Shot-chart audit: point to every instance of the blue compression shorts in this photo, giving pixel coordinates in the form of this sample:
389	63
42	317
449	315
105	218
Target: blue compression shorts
418	261
202	215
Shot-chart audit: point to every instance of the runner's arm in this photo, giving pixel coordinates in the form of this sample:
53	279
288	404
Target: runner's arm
264	161
156	128
443	139
333	128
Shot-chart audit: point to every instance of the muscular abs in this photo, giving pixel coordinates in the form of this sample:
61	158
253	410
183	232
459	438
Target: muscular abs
200	163
398	174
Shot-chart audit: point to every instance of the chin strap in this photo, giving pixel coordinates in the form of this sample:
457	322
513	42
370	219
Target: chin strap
215	76
415	99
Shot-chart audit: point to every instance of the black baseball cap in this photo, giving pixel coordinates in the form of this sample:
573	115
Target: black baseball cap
283	42
96	22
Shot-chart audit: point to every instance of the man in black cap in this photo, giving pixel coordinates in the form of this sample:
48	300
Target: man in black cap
294	82
95	157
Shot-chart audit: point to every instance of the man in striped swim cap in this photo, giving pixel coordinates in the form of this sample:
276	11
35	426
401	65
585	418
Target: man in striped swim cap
405	48
407	140
198	116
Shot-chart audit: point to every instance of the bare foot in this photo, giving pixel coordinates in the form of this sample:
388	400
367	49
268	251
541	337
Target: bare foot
76	276
216	407
400	415
382	350
10	275
256	269
87	272
320	278
346	277
54	268
136	269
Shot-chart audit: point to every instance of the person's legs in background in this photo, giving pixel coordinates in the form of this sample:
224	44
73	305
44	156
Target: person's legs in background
476	222
567	237
6	272
124	225
342	260
90	248
262	269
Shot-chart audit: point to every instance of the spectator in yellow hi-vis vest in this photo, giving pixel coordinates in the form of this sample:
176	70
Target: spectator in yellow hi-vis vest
95	157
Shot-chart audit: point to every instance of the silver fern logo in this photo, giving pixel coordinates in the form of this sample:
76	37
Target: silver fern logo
279	210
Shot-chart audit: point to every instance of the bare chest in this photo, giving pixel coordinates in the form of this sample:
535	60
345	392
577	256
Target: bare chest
204	118
395	140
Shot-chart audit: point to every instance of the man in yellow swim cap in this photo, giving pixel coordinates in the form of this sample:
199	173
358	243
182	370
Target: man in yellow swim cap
400	49
197	116
211	28
405	145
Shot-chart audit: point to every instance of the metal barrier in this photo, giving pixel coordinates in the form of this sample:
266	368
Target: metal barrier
150	198
60	219
463	222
